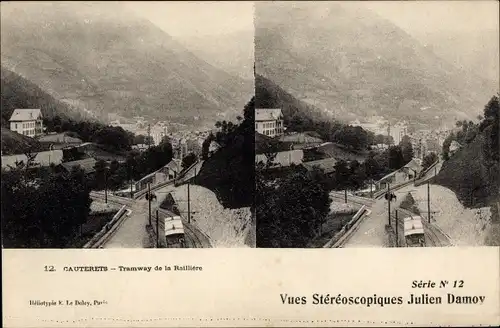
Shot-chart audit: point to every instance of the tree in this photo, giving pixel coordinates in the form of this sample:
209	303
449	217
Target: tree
406	149
353	137
188	160
141	139
428	160
446	146
371	166
291	213
357	175
396	159
46	212
341	175
206	146
101	168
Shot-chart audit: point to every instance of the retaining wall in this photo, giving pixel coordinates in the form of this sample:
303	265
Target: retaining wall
102	236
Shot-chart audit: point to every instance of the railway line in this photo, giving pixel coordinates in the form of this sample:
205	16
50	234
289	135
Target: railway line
353	199
193	237
111	198
433	235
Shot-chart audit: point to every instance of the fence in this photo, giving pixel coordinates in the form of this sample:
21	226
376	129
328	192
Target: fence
380	193
433	165
341	237
103	236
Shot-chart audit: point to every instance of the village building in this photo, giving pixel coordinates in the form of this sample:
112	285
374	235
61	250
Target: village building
408	172
164	174
28	122
172	169
44	158
60	140
301	140
283	158
269	121
327	165
87	165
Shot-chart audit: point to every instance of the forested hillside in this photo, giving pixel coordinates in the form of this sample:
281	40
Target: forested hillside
473	172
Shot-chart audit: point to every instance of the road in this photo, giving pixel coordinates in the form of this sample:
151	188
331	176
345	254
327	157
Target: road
132	231
371	231
193	236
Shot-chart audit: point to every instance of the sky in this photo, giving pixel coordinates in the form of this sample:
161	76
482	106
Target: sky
188	18
428	16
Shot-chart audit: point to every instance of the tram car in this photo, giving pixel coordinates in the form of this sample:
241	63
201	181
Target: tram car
414	232
174	232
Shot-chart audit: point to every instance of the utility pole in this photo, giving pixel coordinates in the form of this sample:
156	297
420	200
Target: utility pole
105	187
189	204
389	202
371	189
397	236
149	136
131	192
429	201
157	231
149	202
388	134
345	195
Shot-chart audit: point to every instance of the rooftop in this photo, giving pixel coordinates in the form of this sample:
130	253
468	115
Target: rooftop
267	114
25	114
86	164
326	164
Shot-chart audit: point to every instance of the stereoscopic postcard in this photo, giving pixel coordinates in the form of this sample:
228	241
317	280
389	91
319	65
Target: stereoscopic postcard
250	163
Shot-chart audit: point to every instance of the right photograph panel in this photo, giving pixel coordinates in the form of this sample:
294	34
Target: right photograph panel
377	124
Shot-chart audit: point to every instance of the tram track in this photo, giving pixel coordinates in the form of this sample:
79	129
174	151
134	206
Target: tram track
353	199
433	234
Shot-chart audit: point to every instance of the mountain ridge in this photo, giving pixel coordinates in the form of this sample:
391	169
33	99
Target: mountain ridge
356	64
121	63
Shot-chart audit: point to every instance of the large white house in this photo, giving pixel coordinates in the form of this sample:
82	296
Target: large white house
269	121
28	122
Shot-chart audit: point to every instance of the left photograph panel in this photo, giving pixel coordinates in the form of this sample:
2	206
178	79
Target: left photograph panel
127	124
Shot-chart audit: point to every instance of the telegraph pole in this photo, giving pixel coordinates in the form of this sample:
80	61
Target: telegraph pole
389	134
149	202
105	187
397	236
189	204
157	231
429	201
149	135
371	189
131	192
389	202
345	195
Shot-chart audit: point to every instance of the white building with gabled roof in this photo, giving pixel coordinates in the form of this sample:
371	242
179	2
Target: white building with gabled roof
269	121
28	122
